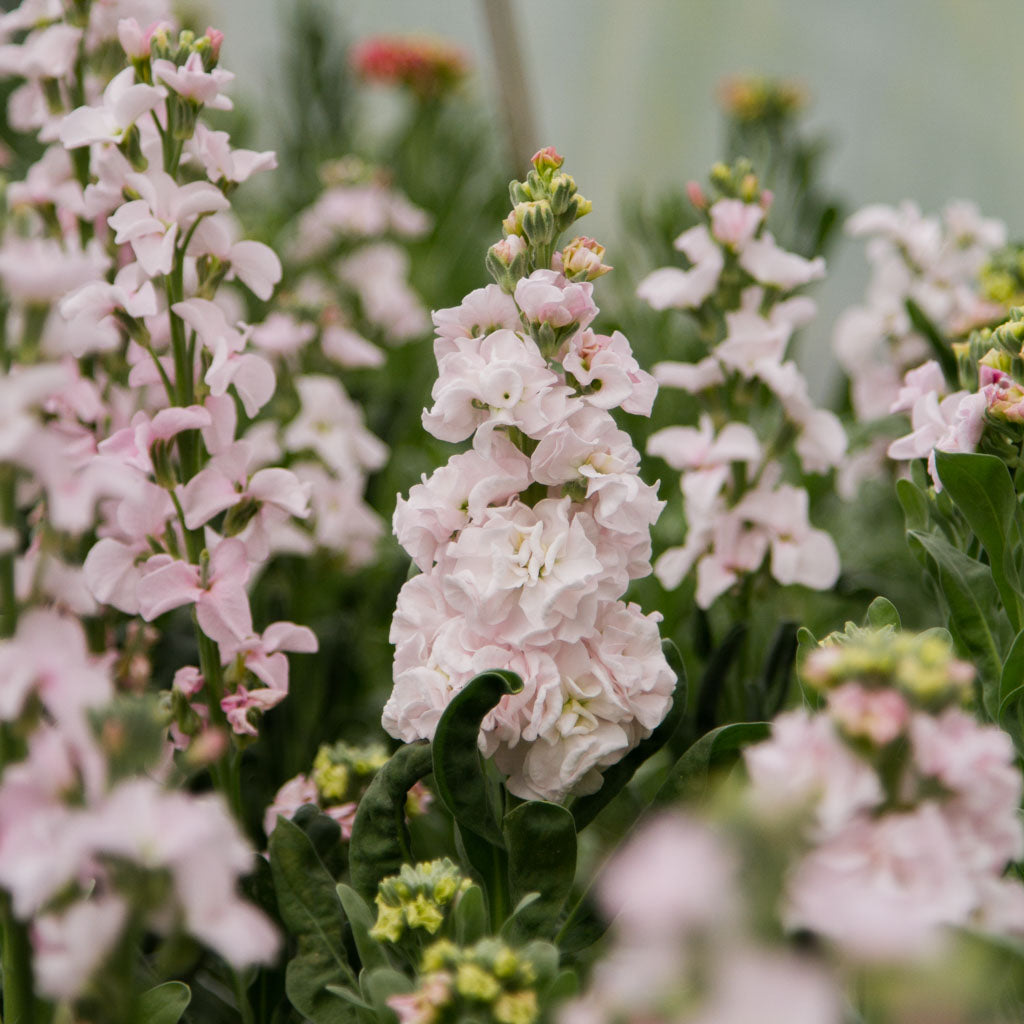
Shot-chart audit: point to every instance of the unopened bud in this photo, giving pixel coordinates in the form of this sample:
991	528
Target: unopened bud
749	188
538	222
546	161
563	188
583	206
696	195
582	260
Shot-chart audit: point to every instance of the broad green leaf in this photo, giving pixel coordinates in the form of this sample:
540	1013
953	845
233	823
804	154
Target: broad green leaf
470	917
617	776
362	919
380	839
715	751
981	487
541	841
1011	693
164	1004
459	776
914	503
350	997
971	598
882	612
381	984
310	909
325	835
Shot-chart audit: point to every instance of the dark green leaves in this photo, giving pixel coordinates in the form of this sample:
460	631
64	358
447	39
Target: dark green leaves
311	912
164	1004
473	798
982	490
541	840
380	839
715	751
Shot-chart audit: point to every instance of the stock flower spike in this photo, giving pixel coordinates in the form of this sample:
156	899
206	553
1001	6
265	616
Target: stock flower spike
527	542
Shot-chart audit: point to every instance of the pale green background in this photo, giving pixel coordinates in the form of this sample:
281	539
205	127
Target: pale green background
922	98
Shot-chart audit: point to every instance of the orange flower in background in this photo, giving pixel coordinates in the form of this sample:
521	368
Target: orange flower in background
428	66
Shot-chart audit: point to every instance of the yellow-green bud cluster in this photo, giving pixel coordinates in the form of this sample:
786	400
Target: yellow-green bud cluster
489	982
342	772
758	98
417	898
543	206
922	666
1002	278
736	181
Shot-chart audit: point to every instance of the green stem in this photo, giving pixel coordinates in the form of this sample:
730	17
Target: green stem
242	998
497	888
19	1001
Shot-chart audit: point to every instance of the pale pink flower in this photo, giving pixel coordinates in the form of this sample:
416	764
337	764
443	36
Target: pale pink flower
69	946
884	888
264	655
455	495
806	765
380	275
151	224
194	82
876	715
280	334
222	606
46	53
295	793
611	376
768	264
674	877
222	163
546	297
692	377
256	265
671	287
734	222
481	312
347	348
124	102
920	381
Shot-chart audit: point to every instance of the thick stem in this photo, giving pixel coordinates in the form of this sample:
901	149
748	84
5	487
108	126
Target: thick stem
19	1000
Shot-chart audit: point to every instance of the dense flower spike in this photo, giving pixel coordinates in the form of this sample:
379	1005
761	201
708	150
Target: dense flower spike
527	542
737	510
924	278
913	806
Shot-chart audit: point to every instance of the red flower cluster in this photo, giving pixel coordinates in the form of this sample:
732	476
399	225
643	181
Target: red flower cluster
430	67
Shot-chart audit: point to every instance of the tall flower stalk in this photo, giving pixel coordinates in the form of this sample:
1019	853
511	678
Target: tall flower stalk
526	542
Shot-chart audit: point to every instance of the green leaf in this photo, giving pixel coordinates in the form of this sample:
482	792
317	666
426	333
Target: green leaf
379	985
541	840
1011	693
470	917
914	503
971	598
361	918
459	776
312	913
350	997
325	835
617	776
981	487
882	612
690	776
940	344
164	1004
777	672
379	845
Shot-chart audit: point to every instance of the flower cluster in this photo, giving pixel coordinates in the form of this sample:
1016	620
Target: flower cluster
87	854
987	410
683	947
912	805
417	899
924	276
739	288
341	774
489	982
429	67
527	541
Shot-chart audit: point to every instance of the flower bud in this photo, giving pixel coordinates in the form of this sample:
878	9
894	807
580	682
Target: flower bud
546	161
563	188
582	260
538	222
696	195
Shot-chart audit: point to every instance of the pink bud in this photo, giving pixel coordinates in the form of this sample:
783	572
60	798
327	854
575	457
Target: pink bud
696	195
216	37
546	159
767	198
